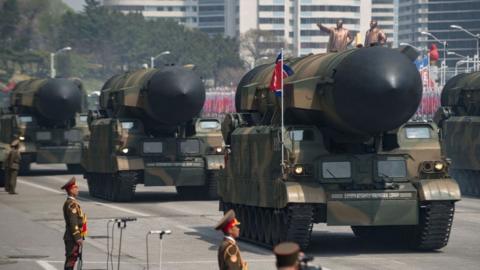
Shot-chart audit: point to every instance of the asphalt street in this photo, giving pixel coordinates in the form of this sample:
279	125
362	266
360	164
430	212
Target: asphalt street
32	227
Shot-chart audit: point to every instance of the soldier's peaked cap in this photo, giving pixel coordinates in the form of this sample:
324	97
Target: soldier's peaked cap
72	182
287	254
15	142
227	219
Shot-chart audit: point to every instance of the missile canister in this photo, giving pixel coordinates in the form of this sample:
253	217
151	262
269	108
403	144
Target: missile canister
168	97
362	92
53	100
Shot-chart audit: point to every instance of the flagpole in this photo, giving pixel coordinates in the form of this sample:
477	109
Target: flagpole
282	108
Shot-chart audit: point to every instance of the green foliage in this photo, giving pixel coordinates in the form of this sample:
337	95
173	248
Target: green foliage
106	42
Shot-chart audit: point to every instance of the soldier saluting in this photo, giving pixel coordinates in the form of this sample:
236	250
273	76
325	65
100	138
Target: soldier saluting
228	253
12	165
75	225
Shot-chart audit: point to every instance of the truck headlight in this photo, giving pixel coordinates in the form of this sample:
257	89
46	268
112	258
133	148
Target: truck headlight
125	150
218	150
21	138
439	166
298	169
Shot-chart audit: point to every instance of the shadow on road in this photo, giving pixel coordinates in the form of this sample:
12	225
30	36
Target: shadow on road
150	197
325	243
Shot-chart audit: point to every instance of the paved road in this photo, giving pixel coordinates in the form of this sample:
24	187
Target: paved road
31	230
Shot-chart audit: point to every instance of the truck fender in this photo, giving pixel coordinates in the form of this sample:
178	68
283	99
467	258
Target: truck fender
125	163
215	162
305	192
438	190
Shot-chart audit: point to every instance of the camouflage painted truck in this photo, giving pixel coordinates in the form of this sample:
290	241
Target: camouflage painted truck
351	159
459	122
146	133
4	148
44	116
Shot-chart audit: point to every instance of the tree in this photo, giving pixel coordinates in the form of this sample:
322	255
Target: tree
255	44
9	18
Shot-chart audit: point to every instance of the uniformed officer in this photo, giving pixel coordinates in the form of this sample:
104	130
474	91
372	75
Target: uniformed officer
12	165
287	254
229	257
75	225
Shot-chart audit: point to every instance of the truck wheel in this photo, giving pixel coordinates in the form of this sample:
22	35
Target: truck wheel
189	192
435	223
212	185
75	168
24	165
123	186
2	178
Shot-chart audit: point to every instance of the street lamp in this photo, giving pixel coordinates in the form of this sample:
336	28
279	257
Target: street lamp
415	47
477	37
444	62
255	61
152	59
53	72
457	54
461	61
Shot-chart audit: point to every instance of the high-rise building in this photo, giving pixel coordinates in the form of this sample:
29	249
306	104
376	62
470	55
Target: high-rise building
293	21
436	18
183	11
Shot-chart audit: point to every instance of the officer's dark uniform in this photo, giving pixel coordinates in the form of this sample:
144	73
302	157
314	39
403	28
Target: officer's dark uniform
229	257
12	165
75	226
287	254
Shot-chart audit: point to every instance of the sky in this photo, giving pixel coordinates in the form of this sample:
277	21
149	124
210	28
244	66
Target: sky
75	4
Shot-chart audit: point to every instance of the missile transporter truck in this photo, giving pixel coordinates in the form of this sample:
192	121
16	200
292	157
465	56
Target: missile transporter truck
146	133
348	159
44	116
459	122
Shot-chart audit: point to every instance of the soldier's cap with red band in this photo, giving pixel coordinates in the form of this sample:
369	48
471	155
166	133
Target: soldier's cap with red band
71	183
227	222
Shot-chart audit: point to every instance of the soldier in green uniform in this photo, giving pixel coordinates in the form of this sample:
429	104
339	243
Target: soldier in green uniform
75	225
12	165
229	257
287	254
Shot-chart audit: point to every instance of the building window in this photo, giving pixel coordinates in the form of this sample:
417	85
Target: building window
271	20
271	8
328	20
331	8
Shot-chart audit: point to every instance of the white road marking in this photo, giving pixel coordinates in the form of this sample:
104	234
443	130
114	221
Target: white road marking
185	228
40	187
45	265
123	209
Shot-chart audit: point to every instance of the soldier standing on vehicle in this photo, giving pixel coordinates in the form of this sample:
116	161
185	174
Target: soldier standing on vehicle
229	257
75	225
375	36
340	37
12	165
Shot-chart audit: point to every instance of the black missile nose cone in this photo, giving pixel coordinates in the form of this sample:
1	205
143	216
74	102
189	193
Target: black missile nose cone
58	99
376	89
175	95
